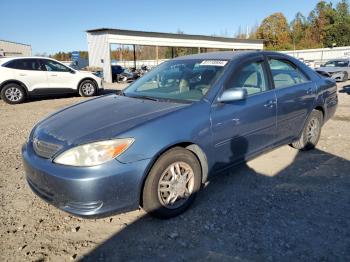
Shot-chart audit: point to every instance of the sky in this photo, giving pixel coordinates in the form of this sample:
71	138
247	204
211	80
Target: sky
52	26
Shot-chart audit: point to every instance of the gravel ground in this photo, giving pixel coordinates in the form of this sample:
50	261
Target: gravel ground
283	206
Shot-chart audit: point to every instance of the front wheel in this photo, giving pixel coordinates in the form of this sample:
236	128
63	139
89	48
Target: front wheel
311	132
172	183
87	88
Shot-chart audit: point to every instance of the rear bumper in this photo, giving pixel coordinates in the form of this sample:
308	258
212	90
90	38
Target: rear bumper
85	191
331	106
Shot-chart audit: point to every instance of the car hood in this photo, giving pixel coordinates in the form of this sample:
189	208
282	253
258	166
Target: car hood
100	119
85	72
330	69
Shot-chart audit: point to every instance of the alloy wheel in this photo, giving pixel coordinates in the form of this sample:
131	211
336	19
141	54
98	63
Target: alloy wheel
13	94
88	89
176	185
313	130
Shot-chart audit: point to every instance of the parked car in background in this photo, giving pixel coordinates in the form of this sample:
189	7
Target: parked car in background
98	73
121	74
24	76
338	69
158	142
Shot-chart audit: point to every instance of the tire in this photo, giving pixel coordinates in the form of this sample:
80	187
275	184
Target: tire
13	94
157	196
345	77
87	88
311	132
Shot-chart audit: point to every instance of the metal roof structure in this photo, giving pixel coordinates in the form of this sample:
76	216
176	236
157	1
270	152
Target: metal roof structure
100	41
172	35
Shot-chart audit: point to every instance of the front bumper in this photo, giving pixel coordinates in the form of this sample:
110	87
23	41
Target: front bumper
85	191
337	76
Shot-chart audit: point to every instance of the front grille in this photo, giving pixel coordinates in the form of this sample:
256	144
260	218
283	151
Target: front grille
45	149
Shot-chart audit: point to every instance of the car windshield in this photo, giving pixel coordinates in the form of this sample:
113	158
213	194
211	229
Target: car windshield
337	63
186	80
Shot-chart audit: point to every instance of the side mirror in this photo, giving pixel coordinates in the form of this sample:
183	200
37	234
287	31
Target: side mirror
71	71
233	94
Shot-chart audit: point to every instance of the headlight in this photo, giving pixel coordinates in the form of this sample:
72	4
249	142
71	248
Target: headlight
335	73
94	154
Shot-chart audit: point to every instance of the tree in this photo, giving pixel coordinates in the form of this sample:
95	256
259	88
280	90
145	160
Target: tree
319	21
275	31
338	32
67	56
297	29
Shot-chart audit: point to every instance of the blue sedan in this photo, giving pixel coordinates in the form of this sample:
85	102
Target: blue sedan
161	139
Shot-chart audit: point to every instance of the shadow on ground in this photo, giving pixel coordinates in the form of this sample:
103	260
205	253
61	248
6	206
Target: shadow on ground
300	214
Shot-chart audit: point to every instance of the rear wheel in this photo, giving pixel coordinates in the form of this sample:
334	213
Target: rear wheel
87	88
311	132
13	94
172	183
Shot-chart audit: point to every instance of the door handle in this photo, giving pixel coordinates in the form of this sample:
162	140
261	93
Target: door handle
270	103
22	74
53	75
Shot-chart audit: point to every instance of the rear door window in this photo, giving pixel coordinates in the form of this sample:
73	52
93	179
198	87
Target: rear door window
285	73
24	64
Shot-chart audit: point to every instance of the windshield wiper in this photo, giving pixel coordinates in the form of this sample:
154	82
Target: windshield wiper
145	97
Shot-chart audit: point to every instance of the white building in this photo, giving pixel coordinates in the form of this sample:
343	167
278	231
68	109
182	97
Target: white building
320	55
134	48
8	48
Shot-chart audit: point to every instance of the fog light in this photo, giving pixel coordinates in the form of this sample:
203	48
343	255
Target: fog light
84	207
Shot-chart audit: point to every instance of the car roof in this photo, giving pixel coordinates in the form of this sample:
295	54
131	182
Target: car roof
227	55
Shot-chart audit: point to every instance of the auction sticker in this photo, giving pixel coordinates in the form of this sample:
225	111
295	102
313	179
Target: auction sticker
214	62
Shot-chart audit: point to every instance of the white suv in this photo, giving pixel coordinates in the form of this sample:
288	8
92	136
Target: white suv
22	76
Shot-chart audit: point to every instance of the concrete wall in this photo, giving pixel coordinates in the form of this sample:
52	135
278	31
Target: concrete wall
320	55
8	48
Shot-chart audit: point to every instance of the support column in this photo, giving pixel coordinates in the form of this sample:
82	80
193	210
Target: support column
134	56
107	68
157	54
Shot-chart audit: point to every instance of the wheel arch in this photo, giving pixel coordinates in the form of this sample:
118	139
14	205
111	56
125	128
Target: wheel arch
194	148
14	81
321	109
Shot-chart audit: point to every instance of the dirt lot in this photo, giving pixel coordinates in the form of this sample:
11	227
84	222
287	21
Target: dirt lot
283	206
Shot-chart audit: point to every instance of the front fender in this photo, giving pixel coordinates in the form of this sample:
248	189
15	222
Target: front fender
189	125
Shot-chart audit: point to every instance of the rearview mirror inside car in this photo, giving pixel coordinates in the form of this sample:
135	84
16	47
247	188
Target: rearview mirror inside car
233	94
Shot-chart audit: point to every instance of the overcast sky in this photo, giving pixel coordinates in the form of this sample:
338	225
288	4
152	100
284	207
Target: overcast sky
60	26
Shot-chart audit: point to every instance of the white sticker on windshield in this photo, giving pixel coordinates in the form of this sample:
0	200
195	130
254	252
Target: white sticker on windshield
214	62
